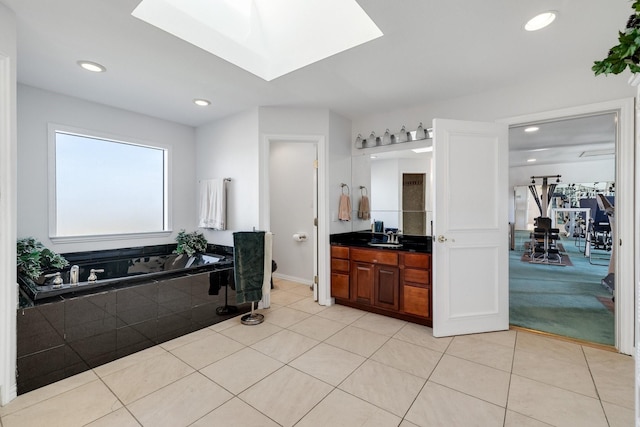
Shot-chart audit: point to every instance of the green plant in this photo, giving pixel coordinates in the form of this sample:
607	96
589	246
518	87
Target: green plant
33	258
190	243
627	52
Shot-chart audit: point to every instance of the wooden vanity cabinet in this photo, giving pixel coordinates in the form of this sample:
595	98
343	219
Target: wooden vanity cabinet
340	272
374	277
390	282
415	284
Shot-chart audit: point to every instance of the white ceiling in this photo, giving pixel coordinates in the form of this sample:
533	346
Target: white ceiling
569	140
431	50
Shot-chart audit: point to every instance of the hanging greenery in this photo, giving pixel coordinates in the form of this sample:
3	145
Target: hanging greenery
627	52
190	243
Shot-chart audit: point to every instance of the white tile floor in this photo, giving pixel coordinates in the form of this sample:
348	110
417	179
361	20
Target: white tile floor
308	365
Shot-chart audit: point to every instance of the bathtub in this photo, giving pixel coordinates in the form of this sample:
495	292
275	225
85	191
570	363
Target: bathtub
120	268
144	297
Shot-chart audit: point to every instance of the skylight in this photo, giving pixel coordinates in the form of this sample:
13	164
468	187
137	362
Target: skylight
267	38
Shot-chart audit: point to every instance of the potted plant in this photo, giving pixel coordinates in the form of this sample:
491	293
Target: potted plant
190	243
627	52
34	259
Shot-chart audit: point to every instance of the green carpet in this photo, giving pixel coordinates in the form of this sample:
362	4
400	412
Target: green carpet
560	300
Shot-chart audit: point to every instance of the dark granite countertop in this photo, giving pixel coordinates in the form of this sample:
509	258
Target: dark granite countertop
408	243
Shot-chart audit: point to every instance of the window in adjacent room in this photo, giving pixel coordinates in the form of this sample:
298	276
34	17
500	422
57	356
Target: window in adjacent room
105	187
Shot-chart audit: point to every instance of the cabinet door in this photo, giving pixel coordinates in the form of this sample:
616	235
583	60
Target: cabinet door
417	300
362	278
386	287
340	285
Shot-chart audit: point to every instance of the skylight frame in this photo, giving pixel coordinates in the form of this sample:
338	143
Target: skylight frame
266	38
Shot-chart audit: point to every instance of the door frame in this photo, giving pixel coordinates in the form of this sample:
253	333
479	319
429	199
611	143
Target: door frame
8	227
625	206
322	230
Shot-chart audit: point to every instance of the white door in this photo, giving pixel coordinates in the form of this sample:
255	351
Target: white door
470	247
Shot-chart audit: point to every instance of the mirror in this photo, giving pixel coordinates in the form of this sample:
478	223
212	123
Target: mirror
399	190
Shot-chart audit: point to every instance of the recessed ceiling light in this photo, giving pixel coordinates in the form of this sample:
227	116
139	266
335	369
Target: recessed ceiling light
532	129
531	160
540	21
202	102
92	66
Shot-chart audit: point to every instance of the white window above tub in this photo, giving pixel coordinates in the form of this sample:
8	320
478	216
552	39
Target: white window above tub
103	187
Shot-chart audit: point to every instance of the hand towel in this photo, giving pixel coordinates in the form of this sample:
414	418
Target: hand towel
344	208
213	204
363	208
266	281
248	264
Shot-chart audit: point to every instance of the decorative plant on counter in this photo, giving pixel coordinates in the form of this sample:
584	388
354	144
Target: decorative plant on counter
627	53
33	258
190	243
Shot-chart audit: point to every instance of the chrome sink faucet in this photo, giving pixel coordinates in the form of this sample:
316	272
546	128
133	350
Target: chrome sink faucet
393	237
74	275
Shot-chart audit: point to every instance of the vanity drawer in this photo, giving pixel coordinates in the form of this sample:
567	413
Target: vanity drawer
416	301
340	252
417	260
374	257
413	275
340	285
339	264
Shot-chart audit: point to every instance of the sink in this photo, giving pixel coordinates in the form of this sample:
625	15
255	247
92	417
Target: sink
386	245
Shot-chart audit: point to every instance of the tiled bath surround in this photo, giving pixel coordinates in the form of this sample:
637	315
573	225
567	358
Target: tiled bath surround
69	334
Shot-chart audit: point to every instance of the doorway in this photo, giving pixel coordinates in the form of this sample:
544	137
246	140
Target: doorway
414	220
321	287
293	205
622	157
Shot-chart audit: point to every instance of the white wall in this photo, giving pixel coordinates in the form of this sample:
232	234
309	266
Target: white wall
339	169
361	176
228	148
232	147
317	121
561	90
291	180
37	108
8	212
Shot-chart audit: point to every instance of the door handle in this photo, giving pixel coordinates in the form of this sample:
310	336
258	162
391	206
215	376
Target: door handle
442	239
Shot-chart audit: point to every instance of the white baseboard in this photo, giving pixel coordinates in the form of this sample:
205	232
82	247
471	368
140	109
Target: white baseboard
292	279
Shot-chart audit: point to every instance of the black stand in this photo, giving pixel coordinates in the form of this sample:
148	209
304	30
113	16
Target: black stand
226	309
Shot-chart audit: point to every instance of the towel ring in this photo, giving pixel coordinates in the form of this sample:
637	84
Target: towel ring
363	190
345	185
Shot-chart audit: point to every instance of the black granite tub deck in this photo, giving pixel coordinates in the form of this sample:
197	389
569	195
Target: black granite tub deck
64	334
